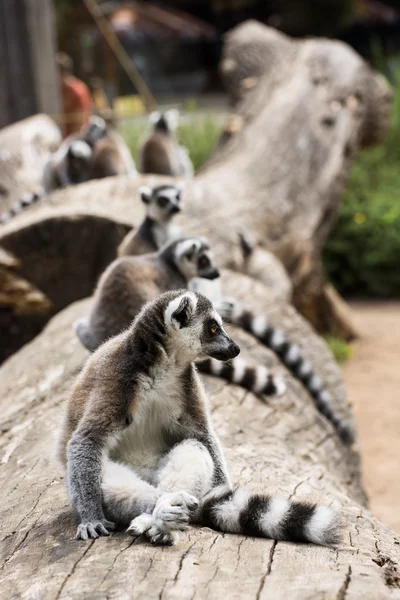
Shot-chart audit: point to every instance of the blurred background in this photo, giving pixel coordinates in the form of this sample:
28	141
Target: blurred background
120	59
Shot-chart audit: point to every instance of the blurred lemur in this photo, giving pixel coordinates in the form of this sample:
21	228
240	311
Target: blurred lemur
139	447
157	228
160	153
93	153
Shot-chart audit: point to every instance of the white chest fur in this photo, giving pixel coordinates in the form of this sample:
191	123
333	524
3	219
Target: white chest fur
157	407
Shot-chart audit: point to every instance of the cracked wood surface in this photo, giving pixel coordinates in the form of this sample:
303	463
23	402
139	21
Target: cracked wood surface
273	444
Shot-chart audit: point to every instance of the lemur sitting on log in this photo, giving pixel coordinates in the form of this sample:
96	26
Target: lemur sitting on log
157	226
160	153
131	281
138	443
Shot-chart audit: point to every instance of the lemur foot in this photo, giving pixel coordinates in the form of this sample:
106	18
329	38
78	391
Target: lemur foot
144	524
140	524
95	529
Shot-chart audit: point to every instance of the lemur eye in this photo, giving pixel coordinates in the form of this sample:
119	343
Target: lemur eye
213	328
203	261
162	201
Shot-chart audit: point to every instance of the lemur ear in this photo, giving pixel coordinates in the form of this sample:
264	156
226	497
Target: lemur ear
190	253
145	194
180	310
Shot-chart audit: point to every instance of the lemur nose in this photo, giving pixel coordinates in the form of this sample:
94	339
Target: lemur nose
174	209
234	349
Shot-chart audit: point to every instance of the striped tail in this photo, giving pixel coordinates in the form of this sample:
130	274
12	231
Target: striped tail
19	206
256	379
239	511
290	356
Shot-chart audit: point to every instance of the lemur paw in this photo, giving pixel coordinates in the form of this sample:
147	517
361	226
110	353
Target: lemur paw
160	538
140	524
172	510
95	529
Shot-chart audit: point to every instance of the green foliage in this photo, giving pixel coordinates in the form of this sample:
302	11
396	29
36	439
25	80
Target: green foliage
198	134
362	256
339	348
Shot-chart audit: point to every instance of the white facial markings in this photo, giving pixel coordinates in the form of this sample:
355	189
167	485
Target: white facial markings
274	518
185	246
173	306
80	149
322	524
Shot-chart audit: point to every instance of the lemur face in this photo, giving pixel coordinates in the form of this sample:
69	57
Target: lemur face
162	202
194	259
197	328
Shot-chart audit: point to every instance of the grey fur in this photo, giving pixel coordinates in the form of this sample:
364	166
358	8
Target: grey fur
138	443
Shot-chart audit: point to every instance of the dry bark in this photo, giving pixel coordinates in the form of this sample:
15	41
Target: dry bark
278	444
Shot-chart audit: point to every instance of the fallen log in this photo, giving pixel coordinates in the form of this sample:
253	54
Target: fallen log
275	444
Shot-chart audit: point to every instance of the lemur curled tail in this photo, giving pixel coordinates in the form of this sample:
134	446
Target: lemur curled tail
131	281
290	355
138	443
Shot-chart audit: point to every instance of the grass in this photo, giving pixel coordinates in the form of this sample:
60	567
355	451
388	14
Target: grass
339	348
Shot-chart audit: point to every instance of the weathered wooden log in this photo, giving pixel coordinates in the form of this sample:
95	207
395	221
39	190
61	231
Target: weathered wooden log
279	444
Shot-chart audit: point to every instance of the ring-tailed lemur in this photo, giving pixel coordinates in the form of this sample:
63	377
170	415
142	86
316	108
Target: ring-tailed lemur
160	152
139	447
129	282
162	204
256	325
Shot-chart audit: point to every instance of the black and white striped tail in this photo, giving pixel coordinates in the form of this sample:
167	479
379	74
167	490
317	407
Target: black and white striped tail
290	356
256	379
239	511
19	206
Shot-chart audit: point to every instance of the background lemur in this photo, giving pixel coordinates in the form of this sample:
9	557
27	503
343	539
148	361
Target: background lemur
289	353
162	203
129	282
160	152
139	447
93	153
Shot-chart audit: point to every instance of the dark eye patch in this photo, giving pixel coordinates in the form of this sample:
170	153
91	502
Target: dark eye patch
162	201
203	261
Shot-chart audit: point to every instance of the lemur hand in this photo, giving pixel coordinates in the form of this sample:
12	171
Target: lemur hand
94	529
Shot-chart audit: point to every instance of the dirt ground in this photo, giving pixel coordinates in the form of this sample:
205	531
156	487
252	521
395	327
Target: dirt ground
372	376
